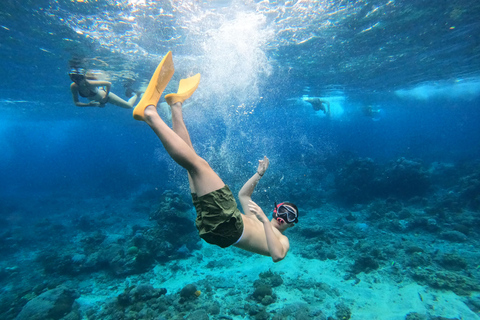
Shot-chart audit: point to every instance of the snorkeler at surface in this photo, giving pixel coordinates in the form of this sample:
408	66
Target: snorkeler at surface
98	92
219	221
370	111
319	105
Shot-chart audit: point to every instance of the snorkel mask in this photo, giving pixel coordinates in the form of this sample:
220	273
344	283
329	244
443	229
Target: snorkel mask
285	214
77	74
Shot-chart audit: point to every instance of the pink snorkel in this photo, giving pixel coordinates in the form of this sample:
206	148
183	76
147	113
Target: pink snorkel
287	213
280	220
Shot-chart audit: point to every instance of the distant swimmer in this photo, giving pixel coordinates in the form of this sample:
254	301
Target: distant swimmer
372	112
319	105
218	221
98	92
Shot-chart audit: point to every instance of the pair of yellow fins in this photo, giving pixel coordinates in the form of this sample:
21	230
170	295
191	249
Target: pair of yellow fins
158	83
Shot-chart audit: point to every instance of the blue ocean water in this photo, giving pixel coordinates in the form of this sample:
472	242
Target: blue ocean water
72	177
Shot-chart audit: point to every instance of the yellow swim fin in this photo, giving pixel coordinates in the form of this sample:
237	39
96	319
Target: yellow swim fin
157	84
185	90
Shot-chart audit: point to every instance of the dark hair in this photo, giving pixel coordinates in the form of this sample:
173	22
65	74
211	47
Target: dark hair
75	77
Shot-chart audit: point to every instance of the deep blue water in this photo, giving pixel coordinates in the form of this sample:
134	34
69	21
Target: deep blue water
51	146
417	62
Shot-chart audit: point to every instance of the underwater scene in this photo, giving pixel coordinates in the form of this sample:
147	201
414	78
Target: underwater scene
347	133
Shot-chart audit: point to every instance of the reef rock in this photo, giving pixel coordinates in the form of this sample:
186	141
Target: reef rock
52	304
354	181
403	178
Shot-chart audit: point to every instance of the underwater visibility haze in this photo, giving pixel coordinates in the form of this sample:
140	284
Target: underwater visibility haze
96	220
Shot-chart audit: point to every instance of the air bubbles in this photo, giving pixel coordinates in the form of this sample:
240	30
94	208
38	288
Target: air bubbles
236	62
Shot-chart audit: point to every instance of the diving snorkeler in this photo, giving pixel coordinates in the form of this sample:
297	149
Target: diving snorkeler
319	104
98	92
219	221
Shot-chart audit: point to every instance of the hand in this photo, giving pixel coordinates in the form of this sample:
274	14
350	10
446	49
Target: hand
257	211
93	103
262	166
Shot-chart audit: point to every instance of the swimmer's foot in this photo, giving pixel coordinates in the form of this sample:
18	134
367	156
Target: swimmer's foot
150	111
157	84
185	90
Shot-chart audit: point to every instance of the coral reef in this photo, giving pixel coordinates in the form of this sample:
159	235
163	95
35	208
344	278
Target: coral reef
263	292
469	191
448	280
188	293
364	264
126	259
361	179
139	293
343	312
404	179
354	182
53	304
415	316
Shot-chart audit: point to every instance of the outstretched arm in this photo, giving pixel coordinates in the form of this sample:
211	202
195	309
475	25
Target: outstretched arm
245	194
278	248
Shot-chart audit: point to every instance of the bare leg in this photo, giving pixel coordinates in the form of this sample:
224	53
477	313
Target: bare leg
178	126
116	100
203	179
